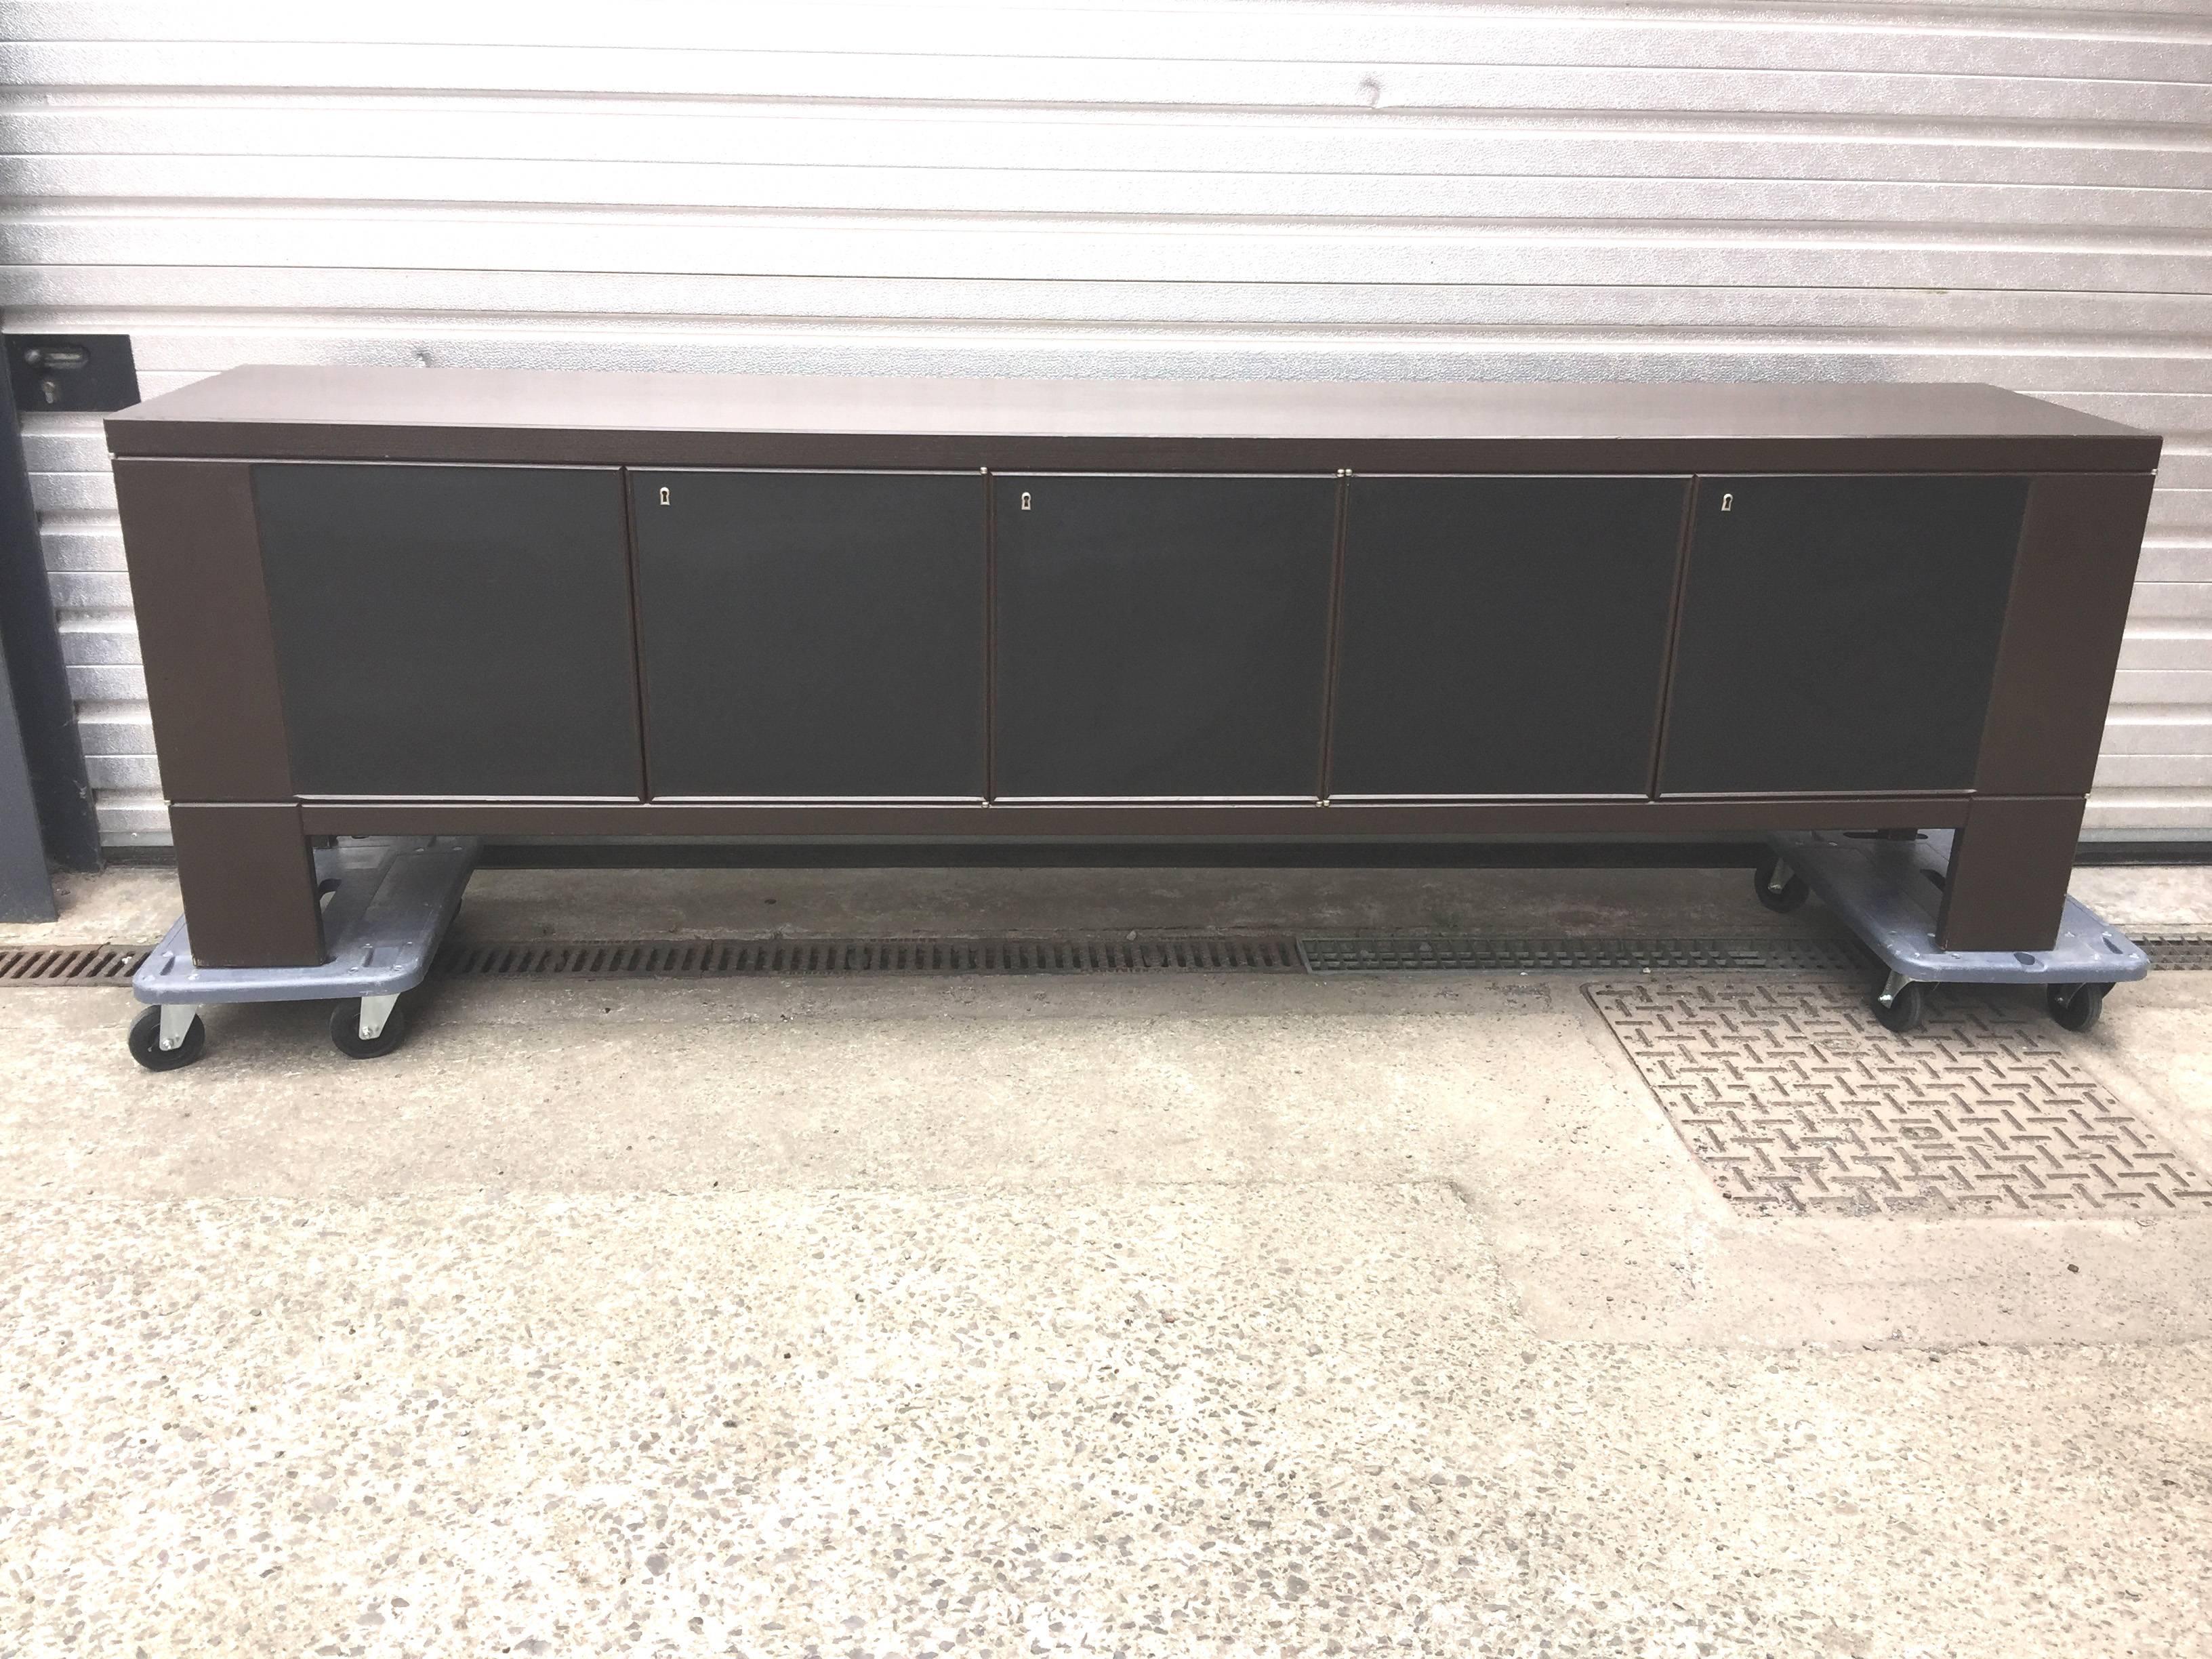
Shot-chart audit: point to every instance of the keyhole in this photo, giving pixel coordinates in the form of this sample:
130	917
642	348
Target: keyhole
1728	503
1025	500
664	495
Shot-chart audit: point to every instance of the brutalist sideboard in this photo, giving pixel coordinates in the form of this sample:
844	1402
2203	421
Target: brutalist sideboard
432	601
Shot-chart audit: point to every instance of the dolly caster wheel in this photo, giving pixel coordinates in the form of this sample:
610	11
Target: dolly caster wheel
346	1029
2076	1007
1903	1007
1779	887
146	1042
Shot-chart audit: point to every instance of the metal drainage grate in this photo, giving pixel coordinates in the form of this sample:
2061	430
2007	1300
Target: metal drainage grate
1796	1103
1567	956
68	964
2169	951
720	958
1272	953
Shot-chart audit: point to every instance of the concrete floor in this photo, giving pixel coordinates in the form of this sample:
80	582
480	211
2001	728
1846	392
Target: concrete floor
1152	1315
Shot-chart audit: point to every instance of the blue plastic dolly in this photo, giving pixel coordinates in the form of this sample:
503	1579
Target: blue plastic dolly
1888	891
386	902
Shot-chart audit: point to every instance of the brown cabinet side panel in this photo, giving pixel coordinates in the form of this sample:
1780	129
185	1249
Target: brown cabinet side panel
2072	583
196	586
2006	889
249	883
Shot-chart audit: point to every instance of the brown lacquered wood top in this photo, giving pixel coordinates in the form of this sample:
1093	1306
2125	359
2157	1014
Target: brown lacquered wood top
434	414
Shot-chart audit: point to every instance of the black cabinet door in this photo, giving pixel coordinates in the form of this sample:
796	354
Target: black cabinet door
811	634
1839	633
1503	636
451	631
1162	636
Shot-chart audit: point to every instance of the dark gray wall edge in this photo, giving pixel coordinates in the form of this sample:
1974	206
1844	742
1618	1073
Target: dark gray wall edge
41	716
26	893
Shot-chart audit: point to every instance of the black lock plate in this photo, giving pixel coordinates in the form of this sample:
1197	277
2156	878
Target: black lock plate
63	372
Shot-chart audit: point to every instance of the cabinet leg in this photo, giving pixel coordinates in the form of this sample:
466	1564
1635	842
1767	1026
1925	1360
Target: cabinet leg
249	883
2011	862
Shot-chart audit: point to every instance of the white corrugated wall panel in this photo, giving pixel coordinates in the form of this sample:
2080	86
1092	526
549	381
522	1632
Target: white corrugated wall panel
2019	193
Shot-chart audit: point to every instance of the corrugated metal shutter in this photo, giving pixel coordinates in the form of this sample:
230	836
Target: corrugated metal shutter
2014	193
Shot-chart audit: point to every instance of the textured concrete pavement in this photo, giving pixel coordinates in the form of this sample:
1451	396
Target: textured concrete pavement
1153	1315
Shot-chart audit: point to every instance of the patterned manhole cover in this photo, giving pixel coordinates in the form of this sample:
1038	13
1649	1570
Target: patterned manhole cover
1798	1104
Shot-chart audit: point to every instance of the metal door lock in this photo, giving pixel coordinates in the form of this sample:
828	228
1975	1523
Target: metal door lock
664	495
71	371
1728	503
1025	500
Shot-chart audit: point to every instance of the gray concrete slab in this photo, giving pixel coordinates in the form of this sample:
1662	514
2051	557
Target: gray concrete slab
1283	1419
520	904
2148	897
1151	1314
124	904
1511	1089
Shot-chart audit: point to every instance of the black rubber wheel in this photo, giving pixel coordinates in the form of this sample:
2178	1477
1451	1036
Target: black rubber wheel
345	1031
146	1042
2076	1007
1785	898
1905	1012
